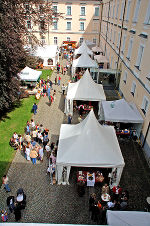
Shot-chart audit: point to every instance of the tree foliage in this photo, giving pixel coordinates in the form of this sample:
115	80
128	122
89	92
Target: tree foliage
13	37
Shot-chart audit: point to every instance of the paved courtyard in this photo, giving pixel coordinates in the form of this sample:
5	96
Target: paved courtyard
61	204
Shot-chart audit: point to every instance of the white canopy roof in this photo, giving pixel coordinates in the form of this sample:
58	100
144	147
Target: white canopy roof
84	61
29	74
82	49
121	111
101	59
48	51
86	89
97	49
89	144
128	218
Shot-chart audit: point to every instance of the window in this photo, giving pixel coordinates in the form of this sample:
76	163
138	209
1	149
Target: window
139	57
133	88
111	63
113	10
55	40
42	40
96	11
41	9
110	34
28	24
147	18
68	39
114	37
128	10
123	43
27	8
68	10
117	7
42	24
136	12
29	40
68	26
81	26
145	105
94	40
125	77
130	49
82	12
80	42
118	42
55	8
55	25
50	61
122	10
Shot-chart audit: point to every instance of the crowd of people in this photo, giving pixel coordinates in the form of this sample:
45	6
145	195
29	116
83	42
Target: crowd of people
118	200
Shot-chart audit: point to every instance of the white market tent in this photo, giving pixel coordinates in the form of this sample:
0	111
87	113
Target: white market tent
128	218
88	144
97	49
85	89
84	61
101	59
121	111
48	52
82	49
29	74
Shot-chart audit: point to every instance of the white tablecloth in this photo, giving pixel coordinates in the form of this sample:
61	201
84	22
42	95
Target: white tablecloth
91	183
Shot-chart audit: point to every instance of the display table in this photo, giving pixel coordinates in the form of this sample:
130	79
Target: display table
105	197
123	133
90	179
82	176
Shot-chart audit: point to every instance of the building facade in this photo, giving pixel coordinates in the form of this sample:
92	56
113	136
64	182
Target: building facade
80	20
125	39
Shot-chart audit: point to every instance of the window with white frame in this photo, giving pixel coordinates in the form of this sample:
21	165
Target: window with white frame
43	41
68	25
55	25
123	43
29	24
145	105
122	9
94	40
55	8
81	41
68	10
82	11
68	39
140	55
147	18
117	8
130	49
133	88
118	42
29	40
125	77
128	10
136	12
114	37
96	13
113	13
55	40
81	26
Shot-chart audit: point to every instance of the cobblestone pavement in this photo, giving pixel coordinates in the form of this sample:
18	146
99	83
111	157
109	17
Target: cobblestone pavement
45	202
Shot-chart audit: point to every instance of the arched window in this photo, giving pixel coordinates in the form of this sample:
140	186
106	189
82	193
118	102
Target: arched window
50	61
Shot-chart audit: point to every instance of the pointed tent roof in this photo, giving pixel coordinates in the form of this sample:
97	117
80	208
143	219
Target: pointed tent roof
86	89
89	144
84	61
29	74
121	111
128	218
97	49
101	59
82	49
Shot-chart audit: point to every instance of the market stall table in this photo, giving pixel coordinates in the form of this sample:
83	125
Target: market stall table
82	176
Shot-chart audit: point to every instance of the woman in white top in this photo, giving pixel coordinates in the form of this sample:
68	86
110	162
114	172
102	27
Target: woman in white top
27	151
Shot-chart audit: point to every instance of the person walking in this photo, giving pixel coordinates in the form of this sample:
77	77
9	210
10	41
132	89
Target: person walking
33	156
59	81
63	88
5	182
56	80
34	108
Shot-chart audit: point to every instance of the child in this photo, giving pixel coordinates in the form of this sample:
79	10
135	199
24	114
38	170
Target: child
4	216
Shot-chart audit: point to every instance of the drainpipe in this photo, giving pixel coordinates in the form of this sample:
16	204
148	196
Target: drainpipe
146	135
107	26
100	25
